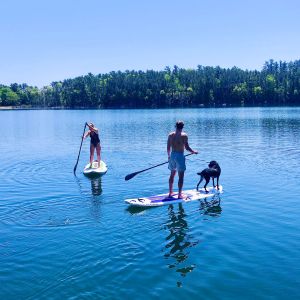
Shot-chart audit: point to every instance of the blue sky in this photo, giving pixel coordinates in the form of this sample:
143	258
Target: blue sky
44	41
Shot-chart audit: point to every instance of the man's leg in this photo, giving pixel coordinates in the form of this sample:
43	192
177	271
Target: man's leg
180	183
171	181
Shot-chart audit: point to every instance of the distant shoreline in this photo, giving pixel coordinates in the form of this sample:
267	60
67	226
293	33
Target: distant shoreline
13	107
276	84
26	107
29	107
21	107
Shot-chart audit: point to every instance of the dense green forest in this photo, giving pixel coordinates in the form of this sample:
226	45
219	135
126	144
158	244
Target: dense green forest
277	84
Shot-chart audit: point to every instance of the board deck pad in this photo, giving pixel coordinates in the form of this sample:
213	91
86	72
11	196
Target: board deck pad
95	170
164	199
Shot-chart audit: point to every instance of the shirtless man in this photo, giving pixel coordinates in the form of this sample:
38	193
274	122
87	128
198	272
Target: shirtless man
177	141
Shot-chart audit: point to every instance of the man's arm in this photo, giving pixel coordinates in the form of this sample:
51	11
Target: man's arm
169	146
188	148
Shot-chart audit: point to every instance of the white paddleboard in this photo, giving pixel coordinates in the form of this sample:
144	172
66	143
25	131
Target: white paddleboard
164	199
95	170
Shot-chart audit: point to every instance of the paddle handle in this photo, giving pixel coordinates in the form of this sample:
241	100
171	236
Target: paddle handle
75	167
161	164
129	176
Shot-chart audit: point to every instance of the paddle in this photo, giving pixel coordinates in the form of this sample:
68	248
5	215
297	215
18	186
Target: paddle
129	176
80	148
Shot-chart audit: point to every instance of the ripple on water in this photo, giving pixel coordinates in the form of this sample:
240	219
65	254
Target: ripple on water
64	237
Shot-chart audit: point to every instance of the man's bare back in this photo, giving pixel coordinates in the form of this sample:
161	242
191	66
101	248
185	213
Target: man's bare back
177	141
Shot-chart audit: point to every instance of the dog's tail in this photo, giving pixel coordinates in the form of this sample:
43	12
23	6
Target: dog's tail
201	179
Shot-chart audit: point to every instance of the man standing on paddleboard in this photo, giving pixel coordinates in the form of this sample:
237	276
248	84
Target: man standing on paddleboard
177	142
95	143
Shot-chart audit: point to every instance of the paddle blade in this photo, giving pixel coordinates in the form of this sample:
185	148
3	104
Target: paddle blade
129	176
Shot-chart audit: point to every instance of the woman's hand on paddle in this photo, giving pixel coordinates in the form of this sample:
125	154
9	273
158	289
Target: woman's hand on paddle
86	135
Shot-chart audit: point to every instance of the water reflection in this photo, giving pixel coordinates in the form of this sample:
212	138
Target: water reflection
180	240
211	208
96	186
93	198
136	210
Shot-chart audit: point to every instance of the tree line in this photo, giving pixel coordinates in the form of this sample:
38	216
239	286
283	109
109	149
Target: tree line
277	84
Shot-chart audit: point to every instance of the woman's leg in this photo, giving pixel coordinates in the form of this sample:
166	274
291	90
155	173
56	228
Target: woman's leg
98	149
92	150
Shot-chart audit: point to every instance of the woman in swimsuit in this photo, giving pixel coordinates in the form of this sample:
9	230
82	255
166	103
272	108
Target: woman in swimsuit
95	143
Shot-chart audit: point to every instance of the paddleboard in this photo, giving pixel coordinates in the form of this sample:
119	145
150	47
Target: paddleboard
95	170
164	199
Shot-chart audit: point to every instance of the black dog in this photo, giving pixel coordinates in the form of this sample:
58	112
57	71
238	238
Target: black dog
213	171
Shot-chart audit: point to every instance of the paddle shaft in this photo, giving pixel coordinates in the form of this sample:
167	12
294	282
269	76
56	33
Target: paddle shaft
129	176
75	167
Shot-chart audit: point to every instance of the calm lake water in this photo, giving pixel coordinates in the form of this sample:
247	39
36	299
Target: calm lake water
66	237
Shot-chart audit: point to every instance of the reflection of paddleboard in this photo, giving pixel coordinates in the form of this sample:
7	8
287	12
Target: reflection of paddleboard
164	199
95	170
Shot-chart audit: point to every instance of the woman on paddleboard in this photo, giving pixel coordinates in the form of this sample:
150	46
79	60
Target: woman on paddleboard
95	143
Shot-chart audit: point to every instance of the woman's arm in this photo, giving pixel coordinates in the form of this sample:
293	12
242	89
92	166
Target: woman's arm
86	134
94	129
